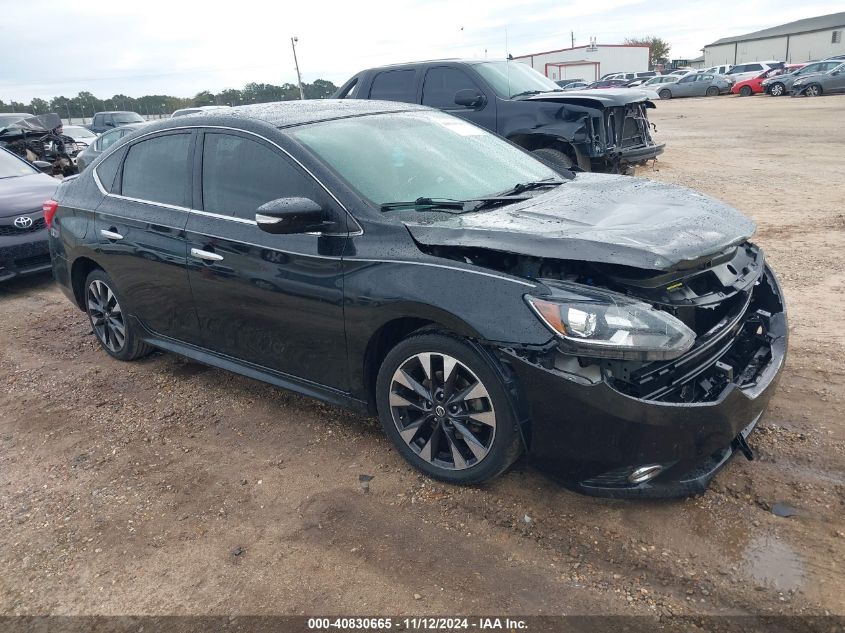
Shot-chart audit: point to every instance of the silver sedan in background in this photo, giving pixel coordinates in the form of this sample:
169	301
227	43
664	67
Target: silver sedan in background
696	85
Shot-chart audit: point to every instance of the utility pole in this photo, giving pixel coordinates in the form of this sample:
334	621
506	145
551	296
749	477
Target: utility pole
572	35
293	42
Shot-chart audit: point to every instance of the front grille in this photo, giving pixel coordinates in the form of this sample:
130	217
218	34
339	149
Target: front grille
734	354
11	230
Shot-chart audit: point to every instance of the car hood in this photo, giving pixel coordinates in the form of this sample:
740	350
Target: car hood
599	218
25	194
606	97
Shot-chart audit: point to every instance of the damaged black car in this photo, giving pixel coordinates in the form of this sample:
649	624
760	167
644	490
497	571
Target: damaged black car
623	334
586	130
39	140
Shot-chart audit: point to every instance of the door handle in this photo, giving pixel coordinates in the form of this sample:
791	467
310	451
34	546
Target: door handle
206	255
111	234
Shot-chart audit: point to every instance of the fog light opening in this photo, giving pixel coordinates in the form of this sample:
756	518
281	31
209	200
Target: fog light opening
645	473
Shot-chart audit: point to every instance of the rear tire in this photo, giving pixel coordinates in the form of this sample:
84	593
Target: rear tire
115	332
665	94
745	91
712	91
777	90
446	409
554	157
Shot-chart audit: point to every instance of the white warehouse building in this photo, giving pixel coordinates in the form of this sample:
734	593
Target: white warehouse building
588	63
800	41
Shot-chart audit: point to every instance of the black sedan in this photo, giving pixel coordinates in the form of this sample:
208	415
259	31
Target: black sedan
387	257
23	232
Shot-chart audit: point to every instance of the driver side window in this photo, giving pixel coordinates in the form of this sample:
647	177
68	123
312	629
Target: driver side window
442	83
240	174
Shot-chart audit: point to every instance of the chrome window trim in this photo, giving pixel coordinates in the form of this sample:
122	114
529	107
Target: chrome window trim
358	231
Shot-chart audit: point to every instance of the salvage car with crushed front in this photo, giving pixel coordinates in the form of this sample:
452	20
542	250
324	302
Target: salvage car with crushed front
606	131
623	333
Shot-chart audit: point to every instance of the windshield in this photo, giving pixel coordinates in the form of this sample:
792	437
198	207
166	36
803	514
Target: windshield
75	131
7	119
122	118
410	155
11	166
509	79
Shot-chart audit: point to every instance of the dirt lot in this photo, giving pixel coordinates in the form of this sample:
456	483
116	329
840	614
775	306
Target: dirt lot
163	486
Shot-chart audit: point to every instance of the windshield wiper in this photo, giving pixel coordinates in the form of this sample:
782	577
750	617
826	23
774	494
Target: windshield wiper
425	203
471	204
522	187
511	195
528	93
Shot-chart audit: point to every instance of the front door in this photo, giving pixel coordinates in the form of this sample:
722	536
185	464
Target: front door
440	85
275	301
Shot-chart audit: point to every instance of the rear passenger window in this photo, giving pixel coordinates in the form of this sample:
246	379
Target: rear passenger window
394	85
159	170
107	170
239	175
441	84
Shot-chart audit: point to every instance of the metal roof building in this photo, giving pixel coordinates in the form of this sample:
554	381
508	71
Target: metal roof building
799	41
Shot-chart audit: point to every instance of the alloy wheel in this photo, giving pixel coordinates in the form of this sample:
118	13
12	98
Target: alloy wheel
442	411
106	316
776	90
813	91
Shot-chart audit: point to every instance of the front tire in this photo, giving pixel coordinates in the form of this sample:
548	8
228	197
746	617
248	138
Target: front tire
114	331
446	409
813	90
665	94
745	91
554	157
777	90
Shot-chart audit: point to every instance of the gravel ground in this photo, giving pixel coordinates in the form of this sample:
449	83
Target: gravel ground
166	487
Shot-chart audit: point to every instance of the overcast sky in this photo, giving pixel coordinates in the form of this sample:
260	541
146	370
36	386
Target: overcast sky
179	48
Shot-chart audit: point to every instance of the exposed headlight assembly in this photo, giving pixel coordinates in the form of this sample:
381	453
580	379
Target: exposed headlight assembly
602	324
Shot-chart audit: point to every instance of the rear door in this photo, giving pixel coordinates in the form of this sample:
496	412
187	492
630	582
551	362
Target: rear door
394	85
140	229
442	83
275	301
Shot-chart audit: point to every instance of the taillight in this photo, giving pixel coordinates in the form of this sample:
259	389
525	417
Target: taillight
49	208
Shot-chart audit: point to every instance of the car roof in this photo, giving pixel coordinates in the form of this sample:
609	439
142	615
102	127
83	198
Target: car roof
281	114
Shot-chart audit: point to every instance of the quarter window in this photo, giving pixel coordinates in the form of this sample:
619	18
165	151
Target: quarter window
159	170
441	84
107	170
394	85
240	174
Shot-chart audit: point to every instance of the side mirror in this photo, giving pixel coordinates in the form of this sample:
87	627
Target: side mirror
469	98
836	72
43	166
286	216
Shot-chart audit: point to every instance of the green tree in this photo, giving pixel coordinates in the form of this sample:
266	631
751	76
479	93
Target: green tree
203	98
320	89
658	48
39	106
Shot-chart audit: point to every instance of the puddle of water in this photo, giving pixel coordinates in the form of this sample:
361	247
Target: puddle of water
773	562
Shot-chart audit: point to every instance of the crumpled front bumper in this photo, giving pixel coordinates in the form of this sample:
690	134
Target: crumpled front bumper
592	436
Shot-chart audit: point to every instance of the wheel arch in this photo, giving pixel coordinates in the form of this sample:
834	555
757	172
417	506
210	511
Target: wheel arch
534	141
396	330
80	269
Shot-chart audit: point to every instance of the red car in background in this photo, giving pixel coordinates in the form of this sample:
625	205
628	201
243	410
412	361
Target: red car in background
754	85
